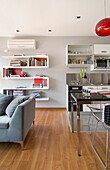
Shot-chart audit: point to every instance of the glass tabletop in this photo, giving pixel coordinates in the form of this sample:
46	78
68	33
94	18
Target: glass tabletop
92	97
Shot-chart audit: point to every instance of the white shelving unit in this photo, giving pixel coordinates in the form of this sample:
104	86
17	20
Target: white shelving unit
18	68
32	61
79	55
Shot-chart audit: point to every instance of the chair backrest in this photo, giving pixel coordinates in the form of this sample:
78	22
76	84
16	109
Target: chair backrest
106	112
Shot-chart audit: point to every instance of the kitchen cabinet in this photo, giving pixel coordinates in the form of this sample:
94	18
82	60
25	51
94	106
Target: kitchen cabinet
101	49
96	56
101	57
79	55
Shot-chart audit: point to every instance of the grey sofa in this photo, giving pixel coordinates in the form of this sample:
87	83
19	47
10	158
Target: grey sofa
14	128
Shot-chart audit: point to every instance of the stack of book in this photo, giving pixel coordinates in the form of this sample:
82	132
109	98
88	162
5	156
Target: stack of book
15	63
38	83
18	92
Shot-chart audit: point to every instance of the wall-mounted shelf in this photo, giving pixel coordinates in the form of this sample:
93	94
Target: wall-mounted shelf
25	67
42	99
79	65
18	68
33	61
13	91
79	56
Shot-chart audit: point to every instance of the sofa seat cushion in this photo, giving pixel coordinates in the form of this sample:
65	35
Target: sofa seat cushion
14	103
4	101
4	122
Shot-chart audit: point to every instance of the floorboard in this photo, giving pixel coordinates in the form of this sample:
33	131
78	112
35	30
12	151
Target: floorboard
49	145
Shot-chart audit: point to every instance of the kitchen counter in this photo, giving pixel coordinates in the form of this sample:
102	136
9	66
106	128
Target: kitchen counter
80	84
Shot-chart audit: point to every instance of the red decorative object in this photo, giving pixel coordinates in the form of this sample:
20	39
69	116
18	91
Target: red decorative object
103	27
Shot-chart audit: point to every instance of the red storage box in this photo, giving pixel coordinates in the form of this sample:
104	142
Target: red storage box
38	80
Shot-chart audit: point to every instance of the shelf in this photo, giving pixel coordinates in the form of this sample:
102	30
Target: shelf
42	99
25	88
18	68
27	67
79	65
24	78
33	61
30	56
83	54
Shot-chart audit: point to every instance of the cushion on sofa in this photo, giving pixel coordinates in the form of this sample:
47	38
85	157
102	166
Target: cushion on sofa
14	103
4	101
4	122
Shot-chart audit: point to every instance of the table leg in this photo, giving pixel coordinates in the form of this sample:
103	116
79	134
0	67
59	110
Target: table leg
78	129
72	117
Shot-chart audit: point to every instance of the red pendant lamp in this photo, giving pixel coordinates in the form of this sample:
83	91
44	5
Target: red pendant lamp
103	27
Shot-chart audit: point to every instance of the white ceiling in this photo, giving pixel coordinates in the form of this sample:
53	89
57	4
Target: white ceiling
36	17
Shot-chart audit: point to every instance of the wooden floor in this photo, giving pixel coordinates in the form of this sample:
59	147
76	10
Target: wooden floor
50	146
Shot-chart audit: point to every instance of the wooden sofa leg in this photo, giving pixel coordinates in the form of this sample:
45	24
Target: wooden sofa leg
22	145
33	123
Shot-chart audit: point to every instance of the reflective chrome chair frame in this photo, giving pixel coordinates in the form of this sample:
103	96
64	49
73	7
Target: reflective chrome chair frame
106	125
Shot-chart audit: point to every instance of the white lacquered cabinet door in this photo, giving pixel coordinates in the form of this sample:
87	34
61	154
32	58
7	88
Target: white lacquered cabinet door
102	49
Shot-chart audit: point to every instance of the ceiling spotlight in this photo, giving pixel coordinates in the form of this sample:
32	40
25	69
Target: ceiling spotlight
78	17
49	30
17	30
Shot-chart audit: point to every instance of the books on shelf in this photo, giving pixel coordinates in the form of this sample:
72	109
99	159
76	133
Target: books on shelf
36	62
12	72
14	75
31	61
15	63
18	92
37	85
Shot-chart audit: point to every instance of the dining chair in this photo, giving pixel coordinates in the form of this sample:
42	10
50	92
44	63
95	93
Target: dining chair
103	116
95	112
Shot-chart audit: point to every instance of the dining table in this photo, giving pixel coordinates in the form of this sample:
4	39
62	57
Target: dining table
78	99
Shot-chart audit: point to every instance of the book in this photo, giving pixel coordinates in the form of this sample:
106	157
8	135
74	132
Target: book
14	75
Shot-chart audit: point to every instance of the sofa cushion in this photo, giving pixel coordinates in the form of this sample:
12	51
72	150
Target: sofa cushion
4	101
14	103
4	122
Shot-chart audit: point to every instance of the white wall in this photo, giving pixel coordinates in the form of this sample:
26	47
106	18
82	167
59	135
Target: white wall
55	47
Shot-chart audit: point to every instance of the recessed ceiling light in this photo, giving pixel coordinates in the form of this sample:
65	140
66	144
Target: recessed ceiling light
17	30
49	30
78	17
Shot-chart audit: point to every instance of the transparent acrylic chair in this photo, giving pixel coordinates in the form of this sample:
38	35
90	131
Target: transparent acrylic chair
103	116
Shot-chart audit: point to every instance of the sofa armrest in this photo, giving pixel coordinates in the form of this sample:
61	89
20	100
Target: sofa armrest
22	119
